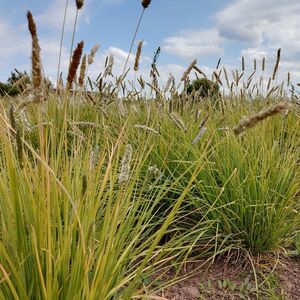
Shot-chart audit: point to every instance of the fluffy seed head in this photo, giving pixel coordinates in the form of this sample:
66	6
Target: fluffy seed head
79	4
109	68
243	63
178	121
82	71
138	56
74	64
188	70
146	128
31	24
169	82
125	165
12	119
93	53
37	75
146	3
263	64
19	148
253	120
277	63
201	132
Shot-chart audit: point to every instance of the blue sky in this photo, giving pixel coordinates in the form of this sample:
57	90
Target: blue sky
185	29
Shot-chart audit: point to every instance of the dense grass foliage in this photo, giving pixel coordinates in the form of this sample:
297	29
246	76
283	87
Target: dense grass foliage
94	199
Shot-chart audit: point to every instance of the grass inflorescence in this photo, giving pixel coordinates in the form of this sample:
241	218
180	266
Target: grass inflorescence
102	195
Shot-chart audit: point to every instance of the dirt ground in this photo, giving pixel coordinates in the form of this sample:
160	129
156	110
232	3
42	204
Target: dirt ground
275	277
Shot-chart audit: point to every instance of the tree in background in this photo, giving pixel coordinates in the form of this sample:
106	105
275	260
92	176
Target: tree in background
203	88
8	89
11	88
16	76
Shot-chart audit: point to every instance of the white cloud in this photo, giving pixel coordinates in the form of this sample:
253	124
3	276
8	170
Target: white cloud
264	26
53	15
11	39
256	21
259	27
193	43
14	50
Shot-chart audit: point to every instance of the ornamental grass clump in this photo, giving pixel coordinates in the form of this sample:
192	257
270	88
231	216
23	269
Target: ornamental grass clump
102	193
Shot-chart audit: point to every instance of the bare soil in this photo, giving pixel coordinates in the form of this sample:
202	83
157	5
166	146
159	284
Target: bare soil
276	278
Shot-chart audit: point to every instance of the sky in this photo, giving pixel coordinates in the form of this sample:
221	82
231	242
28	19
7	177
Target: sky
184	29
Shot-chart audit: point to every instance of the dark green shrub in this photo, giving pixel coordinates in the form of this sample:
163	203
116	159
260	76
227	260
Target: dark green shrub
203	88
16	76
8	89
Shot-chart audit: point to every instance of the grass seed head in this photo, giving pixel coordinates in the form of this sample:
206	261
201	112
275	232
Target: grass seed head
84	185
37	75
109	68
31	24
93	53
138	56
82	72
169	82
188	70
74	64
243	63
277	63
79	4
202	131
125	165
146	3
146	128
178	121
12	118
19	148
260	116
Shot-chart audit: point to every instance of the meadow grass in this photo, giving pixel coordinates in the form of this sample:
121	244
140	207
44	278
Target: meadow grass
100	192
71	229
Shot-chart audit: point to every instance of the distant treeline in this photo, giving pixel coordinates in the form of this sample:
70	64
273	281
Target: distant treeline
15	84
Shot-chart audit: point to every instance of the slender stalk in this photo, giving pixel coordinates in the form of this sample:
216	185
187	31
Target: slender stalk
132	43
61	42
73	36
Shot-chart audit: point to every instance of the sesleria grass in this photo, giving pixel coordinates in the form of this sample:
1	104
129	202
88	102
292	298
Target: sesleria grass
98	195
73	228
